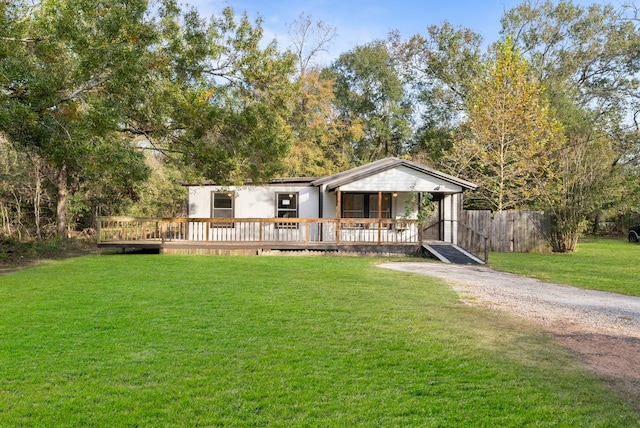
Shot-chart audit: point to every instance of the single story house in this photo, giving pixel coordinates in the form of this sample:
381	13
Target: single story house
373	207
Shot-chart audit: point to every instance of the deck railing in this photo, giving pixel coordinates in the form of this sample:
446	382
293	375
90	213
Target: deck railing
258	231
475	242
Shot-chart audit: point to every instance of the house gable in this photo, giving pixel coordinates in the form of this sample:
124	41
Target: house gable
401	179
397	175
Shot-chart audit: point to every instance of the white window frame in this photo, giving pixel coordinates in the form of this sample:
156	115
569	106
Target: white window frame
232	210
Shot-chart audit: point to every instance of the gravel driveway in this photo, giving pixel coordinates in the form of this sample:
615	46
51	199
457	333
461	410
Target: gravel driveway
603	329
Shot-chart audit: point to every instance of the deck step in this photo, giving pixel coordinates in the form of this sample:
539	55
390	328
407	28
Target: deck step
450	253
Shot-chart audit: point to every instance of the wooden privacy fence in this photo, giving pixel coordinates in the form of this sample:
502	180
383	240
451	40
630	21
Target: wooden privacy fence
508	231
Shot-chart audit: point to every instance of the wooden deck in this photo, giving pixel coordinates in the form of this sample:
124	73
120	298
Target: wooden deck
256	236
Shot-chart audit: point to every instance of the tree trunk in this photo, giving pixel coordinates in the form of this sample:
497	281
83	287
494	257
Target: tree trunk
6	220
61	209
37	198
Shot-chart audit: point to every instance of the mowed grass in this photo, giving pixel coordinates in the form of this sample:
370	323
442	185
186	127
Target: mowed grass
598	264
142	340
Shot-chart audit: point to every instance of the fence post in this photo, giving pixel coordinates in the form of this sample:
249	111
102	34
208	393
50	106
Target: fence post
486	250
99	231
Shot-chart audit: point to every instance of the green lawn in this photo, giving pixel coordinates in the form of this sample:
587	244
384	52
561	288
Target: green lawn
600	264
140	340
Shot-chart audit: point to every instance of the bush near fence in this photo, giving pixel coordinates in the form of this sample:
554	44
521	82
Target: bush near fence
508	231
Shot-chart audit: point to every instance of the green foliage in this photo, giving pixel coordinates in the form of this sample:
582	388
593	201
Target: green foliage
588	60
439	69
80	80
70	72
510	137
162	195
420	206
16	253
223	104
370	95
188	341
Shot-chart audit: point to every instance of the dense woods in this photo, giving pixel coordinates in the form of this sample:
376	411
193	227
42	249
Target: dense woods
107	106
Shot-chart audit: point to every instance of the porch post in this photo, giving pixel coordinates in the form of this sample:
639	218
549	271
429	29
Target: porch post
379	216
420	224
338	198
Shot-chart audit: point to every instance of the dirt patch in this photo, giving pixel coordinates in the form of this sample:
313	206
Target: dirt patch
616	359
602	329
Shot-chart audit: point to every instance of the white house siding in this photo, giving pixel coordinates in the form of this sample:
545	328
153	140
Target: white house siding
260	202
401	179
328	203
253	201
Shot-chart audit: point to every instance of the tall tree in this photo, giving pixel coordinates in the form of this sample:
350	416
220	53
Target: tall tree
221	100
370	95
439	68
308	40
68	70
510	136
79	79
322	138
588	59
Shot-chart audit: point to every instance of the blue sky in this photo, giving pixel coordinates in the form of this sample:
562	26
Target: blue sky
361	21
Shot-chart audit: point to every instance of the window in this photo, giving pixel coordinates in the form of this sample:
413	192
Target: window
365	205
386	205
287	207
353	205
222	206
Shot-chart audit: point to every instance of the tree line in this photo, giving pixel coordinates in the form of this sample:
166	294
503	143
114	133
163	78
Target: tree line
106	106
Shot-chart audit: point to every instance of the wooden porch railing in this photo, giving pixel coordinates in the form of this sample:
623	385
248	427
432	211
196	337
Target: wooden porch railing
258	231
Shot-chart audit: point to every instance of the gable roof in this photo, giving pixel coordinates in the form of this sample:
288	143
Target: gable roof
340	179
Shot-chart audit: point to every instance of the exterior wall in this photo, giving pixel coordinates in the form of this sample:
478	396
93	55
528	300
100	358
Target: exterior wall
451	208
401	179
253	201
260	201
328	203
